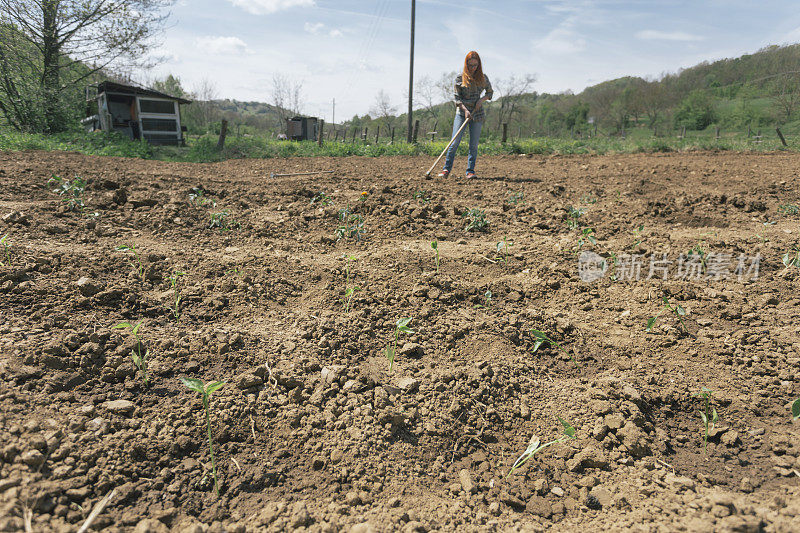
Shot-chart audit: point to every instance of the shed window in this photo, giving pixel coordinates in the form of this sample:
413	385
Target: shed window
159	124
157	106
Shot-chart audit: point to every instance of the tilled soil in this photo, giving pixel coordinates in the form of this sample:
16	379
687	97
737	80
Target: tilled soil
312	430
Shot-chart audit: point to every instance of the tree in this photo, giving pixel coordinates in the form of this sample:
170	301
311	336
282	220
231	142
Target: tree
696	111
61	43
383	109
287	97
785	94
509	93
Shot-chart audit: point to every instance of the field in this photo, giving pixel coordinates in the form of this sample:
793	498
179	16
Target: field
292	297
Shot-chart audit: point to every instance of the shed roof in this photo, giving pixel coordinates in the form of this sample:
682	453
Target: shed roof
112	87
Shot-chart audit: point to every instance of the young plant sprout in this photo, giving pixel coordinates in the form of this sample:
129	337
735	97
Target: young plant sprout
573	214
351	225
7	251
791	258
709	417
699	252
176	301
435	246
223	220
796	409
139	359
542	338
400	327
587	235
677	310
502	250
788	209
422	195
487	300
133	258
71	192
322	199
197	197
349	292
534	446
205	390
638	234
516	198
476	220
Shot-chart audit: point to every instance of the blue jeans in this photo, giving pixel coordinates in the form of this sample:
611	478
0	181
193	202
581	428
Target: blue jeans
474	136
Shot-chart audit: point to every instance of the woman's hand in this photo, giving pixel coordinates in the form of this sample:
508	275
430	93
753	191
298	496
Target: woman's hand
467	114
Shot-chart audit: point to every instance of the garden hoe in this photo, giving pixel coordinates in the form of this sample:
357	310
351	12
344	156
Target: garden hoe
446	148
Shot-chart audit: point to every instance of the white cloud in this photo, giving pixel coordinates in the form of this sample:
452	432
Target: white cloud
267	7
561	40
313	28
221	45
336	33
657	35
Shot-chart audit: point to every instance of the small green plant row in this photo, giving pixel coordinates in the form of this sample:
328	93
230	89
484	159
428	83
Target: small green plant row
5	253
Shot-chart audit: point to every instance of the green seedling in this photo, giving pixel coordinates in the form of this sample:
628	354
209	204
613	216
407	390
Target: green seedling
708	415
349	291
699	252
7	251
400	327
139	359
435	247
534	446
788	209
351	225
588	199
791	258
71	192
422	195
176	292
637	232
198	198
487	300
235	271
573	217
542	338
322	199
205	390
796	409
476	220
502	250
587	235
516	198
223	220
676	310
133	258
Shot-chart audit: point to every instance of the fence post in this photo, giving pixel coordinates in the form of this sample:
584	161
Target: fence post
321	130
783	140
416	131
364	135
223	131
392	141
355	130
377	133
505	132
717	132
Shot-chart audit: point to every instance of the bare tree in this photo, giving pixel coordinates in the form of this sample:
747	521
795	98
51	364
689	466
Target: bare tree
205	93
383	110
60	43
287	97
785	94
510	93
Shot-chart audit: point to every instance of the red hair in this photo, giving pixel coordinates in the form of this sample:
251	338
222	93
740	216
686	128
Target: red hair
466	79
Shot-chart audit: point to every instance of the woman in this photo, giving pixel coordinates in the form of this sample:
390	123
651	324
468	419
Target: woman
469	105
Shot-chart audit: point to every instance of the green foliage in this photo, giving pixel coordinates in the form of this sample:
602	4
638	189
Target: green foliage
696	111
476	220
708	415
516	198
223	220
796	409
435	247
587	235
569	433
7	251
134	258
676	310
502	250
139	359
573	217
71	192
699	252
422	195
391	349
487	300
542	338
792	258
197	196
322	199
174	280
351	225
349	291
788	209
206	390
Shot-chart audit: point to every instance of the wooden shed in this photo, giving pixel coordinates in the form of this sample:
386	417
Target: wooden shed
302	128
135	112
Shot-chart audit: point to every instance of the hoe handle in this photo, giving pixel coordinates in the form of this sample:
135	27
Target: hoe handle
446	148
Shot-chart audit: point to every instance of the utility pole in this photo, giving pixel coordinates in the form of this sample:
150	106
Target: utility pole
411	71
333	115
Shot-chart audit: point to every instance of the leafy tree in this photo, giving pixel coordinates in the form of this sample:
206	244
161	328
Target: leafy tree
59	44
696	111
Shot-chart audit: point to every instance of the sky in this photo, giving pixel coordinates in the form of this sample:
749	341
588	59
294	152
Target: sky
349	51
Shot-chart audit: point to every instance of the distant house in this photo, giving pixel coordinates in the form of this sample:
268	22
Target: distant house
135	112
302	128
